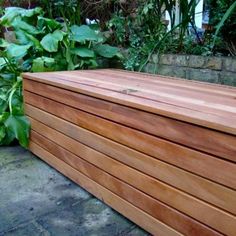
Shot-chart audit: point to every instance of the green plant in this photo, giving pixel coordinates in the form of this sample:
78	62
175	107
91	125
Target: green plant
41	44
145	31
76	12
118	22
138	32
69	10
226	24
13	123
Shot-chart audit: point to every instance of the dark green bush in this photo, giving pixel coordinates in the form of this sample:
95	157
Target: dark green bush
227	32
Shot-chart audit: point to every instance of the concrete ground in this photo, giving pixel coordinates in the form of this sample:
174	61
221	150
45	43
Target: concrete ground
37	200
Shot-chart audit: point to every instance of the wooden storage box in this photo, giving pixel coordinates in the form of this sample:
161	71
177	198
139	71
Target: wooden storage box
160	151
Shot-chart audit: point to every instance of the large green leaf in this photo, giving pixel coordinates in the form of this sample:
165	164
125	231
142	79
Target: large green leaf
58	34
8	135
31	12
106	50
8	139
17	104
17	51
50	41
20	127
50	23
42	64
2	63
12	12
83	52
4	88
2	132
3	43
24	38
18	23
83	33
3	105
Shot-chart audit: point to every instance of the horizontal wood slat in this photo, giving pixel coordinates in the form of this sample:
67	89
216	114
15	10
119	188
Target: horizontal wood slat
220	144
213	193
136	215
201	87
225	123
175	97
221	171
161	151
162	212
215	218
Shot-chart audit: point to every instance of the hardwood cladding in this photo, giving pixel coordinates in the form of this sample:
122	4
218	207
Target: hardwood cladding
220	144
207	190
119	204
141	200
175	177
126	96
222	172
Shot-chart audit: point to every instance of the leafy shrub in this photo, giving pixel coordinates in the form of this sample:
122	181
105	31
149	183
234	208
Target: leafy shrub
13	124
139	32
145	32
223	18
41	44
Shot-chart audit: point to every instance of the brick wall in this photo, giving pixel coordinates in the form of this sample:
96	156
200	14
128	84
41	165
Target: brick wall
220	70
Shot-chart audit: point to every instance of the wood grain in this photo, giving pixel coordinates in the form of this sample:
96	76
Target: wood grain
190	160
225	124
206	190
215	218
161	151
206	140
160	211
200	101
193	85
139	217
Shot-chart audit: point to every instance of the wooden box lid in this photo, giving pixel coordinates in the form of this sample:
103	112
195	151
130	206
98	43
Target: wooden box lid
208	105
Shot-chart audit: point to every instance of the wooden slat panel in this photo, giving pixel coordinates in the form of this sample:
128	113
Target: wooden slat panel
182	113
215	218
157	145
213	193
200	101
156	80
162	212
133	213
219	144
221	171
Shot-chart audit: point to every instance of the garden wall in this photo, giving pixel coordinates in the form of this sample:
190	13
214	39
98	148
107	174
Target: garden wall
220	70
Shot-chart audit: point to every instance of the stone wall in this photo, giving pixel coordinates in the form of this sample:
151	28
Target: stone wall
220	70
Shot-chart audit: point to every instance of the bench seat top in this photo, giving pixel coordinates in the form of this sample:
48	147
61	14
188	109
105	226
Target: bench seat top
204	104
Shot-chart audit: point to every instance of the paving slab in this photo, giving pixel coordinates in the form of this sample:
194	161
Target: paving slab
35	199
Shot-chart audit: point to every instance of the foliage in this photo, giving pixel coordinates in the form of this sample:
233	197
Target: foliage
138	32
13	124
75	11
145	32
225	22
69	10
40	44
